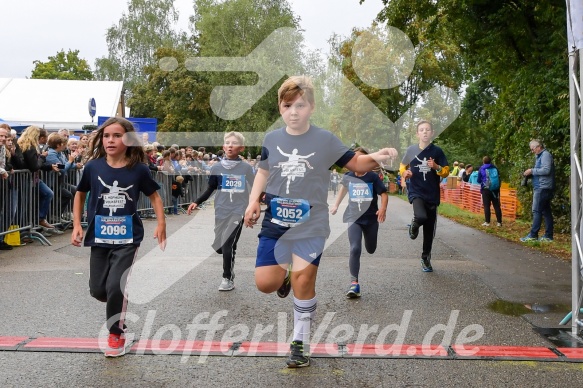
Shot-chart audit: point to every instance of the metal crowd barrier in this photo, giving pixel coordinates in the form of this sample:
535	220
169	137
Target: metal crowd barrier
192	186
19	200
19	209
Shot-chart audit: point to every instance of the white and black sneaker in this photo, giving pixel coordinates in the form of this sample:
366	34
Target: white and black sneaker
226	285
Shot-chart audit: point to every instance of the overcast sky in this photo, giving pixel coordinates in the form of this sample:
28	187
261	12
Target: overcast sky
36	29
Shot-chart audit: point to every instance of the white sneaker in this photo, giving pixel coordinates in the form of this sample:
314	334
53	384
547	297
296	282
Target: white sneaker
486	224
226	285
498	224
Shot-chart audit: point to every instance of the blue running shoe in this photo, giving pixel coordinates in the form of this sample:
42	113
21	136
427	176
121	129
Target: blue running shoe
528	239
354	291
426	264
545	239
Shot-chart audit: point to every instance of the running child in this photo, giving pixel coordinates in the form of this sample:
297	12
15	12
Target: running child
363	215
233	178
115	175
424	165
294	172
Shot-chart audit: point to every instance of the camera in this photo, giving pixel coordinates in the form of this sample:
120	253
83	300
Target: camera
524	181
61	166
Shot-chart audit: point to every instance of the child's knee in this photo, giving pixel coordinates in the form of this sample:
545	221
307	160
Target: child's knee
267	286
303	282
371	248
99	294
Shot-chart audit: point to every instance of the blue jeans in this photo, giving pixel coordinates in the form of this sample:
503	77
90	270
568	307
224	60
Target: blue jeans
541	207
45	197
174	205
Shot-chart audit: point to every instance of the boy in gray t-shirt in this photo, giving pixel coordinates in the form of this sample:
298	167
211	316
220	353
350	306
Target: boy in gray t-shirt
233	178
294	172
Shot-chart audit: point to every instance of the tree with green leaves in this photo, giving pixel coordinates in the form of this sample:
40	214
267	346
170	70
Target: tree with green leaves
66	66
513	58
179	96
147	26
410	70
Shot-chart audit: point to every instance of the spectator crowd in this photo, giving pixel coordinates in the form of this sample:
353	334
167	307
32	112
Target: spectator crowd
39	172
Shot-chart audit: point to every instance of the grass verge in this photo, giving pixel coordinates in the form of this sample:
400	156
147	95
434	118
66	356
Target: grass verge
510	230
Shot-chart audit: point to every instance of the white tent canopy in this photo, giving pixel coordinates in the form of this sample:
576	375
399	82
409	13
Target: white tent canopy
55	104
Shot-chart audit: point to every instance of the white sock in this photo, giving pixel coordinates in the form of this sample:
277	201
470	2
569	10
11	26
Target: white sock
304	313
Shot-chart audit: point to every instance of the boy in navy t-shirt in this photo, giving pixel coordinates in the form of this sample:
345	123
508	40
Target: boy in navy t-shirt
424	165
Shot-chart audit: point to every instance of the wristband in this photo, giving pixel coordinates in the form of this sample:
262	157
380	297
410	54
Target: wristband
439	169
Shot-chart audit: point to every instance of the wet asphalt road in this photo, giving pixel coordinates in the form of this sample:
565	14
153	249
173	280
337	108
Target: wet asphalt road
44	293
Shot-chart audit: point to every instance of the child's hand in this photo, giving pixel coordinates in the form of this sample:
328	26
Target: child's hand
407	174
381	215
191	207
252	214
77	236
160	234
385	155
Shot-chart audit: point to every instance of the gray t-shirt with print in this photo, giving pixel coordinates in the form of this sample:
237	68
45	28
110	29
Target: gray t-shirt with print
297	186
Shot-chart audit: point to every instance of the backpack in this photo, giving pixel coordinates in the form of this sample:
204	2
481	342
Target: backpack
492	182
473	177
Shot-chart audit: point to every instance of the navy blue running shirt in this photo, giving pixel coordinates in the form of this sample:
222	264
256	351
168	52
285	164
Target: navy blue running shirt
425	182
114	192
364	191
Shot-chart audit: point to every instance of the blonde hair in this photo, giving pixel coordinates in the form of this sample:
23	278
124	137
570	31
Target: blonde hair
238	135
29	138
297	85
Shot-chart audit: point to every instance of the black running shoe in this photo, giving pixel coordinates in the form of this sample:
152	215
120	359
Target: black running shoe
285	288
297	358
426	264
413	230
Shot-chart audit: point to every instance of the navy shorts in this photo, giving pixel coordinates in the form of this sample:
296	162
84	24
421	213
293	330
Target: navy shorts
271	251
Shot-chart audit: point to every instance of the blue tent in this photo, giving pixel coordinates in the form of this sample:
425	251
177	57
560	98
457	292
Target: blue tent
142	124
18	127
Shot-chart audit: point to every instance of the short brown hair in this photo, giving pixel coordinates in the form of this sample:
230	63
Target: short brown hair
420	122
297	85
55	140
